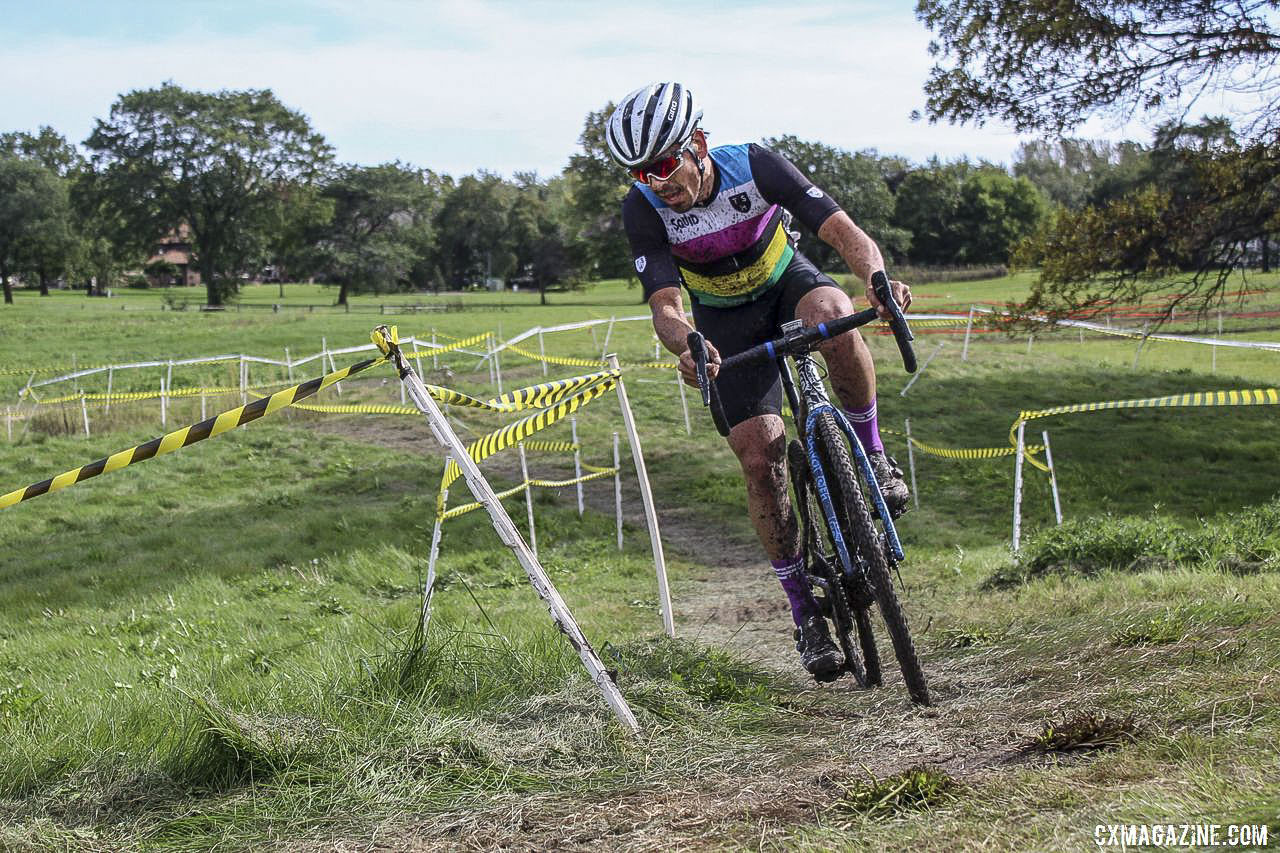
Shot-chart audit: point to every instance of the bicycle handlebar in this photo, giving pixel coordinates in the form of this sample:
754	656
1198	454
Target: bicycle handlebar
804	340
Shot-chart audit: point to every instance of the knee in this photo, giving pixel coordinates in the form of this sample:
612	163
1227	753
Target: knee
762	462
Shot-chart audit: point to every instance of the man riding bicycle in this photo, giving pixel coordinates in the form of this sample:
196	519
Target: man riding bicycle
713	220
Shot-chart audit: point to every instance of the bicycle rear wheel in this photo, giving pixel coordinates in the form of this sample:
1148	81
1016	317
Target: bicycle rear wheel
862	535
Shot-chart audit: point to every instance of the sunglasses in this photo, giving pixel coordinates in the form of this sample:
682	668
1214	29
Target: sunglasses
660	169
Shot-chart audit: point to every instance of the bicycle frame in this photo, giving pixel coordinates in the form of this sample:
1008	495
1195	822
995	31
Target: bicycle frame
812	400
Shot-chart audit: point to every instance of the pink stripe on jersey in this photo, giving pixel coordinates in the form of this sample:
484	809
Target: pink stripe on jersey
725	242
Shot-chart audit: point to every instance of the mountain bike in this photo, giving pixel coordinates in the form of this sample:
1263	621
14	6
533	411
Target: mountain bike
850	546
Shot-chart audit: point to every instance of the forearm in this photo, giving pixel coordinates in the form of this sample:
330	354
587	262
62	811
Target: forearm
857	249
669	322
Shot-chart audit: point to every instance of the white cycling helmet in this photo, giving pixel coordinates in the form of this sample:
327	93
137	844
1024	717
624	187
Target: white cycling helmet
649	121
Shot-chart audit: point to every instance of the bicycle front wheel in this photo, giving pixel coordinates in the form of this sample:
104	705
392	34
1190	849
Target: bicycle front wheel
861	534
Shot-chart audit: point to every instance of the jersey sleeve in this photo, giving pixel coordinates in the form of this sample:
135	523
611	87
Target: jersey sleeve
650	248
780	182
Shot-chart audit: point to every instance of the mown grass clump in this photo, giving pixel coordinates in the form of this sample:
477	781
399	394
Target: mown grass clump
1154	630
1085	730
1244	543
915	789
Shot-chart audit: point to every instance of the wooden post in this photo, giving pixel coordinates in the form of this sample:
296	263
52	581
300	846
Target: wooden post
1017	489
617	488
646	496
510	537
911	461
1053	478
577	461
528	498
964	353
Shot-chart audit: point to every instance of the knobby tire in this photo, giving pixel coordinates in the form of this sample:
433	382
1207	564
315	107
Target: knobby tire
859	527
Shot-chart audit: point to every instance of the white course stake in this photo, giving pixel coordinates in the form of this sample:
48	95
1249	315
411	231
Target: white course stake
542	350
1215	346
510	537
684	404
288	363
164	405
528	499
923	367
435	359
8	421
1053	478
84	411
110	378
608	333
429	585
911	461
168	376
203	415
964	353
1017	490
1030	340
617	488
1141	344
497	364
646	496
577	462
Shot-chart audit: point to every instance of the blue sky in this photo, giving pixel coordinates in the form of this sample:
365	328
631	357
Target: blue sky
491	84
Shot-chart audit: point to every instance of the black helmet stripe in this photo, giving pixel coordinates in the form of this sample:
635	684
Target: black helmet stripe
655	100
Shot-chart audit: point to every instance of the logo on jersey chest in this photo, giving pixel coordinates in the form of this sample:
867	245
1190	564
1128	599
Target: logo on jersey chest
684	221
740	202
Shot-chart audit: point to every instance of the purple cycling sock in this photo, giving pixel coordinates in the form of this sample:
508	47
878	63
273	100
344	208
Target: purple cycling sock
796	585
866	427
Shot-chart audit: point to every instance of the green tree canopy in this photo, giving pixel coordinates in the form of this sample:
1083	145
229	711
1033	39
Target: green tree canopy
370	244
222	163
1045	65
33	217
597	186
857	182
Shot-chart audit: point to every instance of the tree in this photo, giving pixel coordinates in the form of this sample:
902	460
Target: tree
50	252
597	186
537	233
470	227
369	243
857	182
33	204
222	163
1047	65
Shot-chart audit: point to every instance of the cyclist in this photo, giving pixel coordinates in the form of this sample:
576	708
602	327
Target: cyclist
712	219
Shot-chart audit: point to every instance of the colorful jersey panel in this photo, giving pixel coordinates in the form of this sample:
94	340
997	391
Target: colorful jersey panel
733	247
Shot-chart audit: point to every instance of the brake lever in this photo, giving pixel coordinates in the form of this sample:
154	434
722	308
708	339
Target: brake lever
698	349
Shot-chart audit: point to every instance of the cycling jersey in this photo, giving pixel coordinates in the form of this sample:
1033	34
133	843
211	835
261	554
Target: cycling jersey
732	248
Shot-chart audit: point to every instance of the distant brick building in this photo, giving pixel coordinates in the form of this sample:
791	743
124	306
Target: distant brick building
174	249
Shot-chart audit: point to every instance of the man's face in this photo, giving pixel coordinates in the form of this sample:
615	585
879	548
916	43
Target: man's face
678	190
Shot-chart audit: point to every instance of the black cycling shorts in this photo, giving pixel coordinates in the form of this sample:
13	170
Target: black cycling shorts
757	390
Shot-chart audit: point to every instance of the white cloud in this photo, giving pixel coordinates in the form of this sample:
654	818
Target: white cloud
459	86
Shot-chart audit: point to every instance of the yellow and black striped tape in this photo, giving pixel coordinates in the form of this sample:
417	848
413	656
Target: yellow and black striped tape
186	436
129	396
1246	397
463	509
485	446
962	452
458	343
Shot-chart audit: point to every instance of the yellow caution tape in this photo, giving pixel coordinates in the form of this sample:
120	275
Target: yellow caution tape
456	345
188	435
1247	397
485	446
463	509
962	452
556	359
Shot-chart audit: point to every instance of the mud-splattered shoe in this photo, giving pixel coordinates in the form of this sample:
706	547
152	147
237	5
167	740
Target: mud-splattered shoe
819	655
892	485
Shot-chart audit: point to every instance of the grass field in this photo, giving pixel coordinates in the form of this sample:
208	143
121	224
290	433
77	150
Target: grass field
216	649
